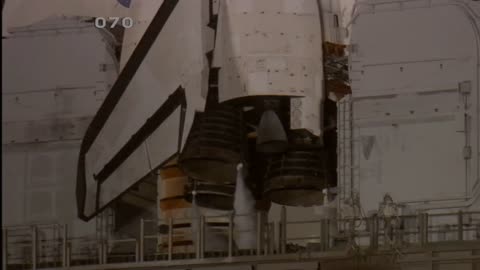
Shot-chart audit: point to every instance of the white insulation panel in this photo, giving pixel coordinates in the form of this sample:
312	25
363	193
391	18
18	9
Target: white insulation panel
272	48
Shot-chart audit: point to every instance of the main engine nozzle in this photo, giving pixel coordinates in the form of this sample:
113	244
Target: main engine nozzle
271	136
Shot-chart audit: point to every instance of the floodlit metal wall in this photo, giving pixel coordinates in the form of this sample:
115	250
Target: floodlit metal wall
21	13
411	126
55	76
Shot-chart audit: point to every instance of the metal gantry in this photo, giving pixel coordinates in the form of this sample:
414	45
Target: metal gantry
368	233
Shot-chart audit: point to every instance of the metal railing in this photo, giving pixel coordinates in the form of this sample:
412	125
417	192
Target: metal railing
271	238
395	232
197	230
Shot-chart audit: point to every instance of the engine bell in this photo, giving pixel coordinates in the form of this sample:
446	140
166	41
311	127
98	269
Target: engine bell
271	136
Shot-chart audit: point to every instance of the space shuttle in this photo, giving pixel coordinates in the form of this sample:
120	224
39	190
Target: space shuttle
209	90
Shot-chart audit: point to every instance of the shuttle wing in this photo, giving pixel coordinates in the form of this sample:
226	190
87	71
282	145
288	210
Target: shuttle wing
141	123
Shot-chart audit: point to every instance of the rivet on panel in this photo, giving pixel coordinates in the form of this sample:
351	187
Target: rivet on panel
436	109
441	66
401	69
412	112
291	74
387	114
281	34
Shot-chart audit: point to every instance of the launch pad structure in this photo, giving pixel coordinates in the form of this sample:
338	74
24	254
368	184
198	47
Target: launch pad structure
368	244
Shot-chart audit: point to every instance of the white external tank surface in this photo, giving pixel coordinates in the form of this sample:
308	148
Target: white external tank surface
410	128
